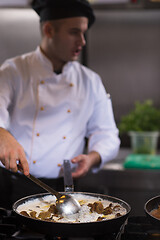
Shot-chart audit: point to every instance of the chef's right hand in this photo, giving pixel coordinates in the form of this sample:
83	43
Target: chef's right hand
11	152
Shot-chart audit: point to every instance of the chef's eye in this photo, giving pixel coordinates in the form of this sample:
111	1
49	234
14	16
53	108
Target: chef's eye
74	32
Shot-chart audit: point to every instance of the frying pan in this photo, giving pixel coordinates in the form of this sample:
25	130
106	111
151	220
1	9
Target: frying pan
151	204
73	229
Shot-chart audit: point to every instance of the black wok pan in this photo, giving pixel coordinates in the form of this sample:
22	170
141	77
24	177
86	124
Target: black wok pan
151	204
74	229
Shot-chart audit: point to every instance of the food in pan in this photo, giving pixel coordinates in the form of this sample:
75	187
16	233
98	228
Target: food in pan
156	212
92	209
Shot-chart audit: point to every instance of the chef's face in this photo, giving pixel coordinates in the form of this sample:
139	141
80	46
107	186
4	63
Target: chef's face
66	39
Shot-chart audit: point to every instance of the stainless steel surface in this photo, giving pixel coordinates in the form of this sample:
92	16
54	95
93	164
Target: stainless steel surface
65	204
68	180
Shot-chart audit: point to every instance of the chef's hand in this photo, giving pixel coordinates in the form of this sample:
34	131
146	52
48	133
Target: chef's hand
11	152
85	163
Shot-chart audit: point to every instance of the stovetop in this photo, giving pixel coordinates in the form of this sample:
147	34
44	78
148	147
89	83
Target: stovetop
135	228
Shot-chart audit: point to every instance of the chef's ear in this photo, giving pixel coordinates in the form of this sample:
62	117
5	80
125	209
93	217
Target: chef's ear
48	29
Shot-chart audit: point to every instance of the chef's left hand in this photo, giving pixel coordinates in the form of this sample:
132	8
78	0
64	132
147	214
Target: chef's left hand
85	163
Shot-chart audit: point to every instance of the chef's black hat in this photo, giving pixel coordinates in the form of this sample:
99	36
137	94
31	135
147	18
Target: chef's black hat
58	9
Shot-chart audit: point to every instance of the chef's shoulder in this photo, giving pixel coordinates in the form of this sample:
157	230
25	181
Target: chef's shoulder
18	62
90	78
86	72
17	69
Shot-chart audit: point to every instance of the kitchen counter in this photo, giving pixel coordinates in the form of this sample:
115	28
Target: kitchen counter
117	164
134	186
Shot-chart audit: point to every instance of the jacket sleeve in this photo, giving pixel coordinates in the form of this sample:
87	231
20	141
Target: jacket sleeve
6	93
102	131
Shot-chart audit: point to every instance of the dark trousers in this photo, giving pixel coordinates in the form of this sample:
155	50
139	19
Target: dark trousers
14	186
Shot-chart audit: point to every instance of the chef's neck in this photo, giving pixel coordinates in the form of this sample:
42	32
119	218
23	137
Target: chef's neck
57	65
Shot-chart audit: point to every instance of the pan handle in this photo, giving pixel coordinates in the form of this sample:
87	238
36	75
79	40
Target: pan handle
68	180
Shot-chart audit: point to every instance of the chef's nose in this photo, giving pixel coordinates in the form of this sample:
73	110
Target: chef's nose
82	40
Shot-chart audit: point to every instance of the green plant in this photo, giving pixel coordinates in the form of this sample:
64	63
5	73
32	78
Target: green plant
143	118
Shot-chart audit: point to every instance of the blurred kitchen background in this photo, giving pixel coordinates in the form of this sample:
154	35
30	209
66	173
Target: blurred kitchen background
123	47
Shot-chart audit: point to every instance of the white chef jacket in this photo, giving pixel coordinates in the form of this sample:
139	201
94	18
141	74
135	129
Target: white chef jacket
51	114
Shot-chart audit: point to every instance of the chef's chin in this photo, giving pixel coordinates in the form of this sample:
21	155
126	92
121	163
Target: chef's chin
74	58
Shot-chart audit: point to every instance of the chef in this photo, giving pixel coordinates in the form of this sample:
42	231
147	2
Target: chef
50	103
